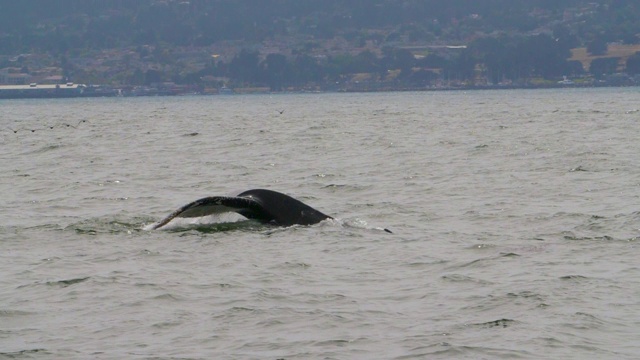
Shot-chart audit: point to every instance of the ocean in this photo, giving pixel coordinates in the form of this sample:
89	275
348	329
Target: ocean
515	218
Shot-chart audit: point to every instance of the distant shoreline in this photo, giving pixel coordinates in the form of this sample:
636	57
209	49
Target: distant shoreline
115	92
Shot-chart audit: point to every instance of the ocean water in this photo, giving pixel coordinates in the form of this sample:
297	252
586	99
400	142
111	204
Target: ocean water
515	219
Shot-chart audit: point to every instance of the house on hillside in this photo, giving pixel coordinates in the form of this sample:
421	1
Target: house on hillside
13	76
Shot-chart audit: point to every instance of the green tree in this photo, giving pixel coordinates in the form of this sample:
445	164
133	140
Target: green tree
422	77
597	46
633	64
153	76
495	54
462	67
396	58
245	67
548	58
306	69
603	66
275	68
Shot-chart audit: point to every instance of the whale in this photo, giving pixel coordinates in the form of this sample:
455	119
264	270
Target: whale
266	206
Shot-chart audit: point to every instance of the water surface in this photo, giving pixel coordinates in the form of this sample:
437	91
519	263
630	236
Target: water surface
515	218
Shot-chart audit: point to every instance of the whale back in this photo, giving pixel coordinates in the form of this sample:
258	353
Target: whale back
283	209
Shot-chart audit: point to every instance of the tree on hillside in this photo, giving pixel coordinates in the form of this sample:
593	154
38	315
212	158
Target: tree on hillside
394	58
604	66
461	67
548	58
306	70
275	69
633	64
153	76
244	67
597	46
494	54
522	57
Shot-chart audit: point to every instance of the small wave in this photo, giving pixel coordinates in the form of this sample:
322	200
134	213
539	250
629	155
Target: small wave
481	247
107	225
360	224
13	313
481	262
67	282
21	353
464	278
526	295
500	323
59	283
167	296
333	342
45	149
445	350
578	168
293	265
586	321
347	187
573	277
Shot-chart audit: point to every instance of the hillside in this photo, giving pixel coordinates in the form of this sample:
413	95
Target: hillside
306	43
620	51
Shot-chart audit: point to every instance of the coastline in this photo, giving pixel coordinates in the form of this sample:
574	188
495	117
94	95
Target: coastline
106	91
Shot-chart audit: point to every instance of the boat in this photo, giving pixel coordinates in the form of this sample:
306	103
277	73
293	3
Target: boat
224	90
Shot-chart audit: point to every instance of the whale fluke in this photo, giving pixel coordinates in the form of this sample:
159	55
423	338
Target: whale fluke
267	206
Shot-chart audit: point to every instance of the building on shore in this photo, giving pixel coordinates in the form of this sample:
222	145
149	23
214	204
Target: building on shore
68	90
14	76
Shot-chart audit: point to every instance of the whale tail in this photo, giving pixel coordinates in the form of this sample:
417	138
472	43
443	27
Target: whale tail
263	205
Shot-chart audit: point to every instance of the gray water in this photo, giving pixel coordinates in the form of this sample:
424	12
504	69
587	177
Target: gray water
515	216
